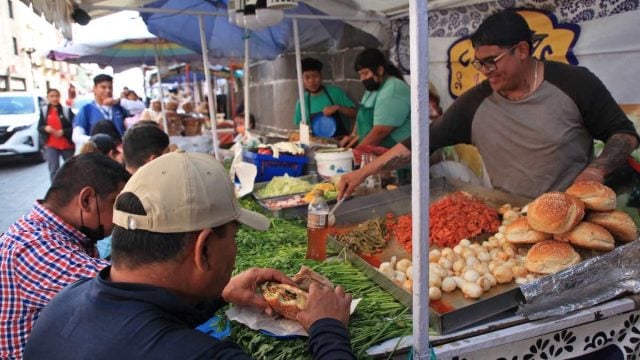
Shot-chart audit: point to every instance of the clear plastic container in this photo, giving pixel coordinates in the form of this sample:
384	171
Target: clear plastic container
317	228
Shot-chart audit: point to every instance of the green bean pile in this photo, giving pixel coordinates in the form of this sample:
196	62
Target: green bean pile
366	238
379	316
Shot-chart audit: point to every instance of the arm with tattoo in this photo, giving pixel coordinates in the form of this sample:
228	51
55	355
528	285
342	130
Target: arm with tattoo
615	153
395	158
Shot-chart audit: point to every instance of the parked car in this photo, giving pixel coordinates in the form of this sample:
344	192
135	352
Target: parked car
19	115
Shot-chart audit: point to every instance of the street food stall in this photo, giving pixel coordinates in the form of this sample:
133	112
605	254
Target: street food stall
487	321
471	315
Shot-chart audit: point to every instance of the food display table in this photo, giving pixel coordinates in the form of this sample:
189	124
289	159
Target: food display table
381	327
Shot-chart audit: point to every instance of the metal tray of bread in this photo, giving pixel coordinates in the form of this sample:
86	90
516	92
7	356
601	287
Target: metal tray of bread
453	311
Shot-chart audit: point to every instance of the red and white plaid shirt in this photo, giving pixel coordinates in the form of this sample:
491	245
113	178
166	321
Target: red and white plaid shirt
40	254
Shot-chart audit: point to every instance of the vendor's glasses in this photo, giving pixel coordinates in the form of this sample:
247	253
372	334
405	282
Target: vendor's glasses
491	64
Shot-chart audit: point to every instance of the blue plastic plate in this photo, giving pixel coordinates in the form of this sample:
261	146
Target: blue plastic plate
323	126
213	328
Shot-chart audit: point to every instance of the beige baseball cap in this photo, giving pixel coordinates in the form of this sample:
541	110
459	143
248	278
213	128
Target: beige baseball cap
183	192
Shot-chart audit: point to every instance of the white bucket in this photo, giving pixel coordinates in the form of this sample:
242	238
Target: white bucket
331	163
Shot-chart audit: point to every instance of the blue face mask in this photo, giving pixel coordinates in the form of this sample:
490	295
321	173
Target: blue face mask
370	84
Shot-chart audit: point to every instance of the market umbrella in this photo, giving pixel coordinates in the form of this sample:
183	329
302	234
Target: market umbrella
122	54
225	40
222	39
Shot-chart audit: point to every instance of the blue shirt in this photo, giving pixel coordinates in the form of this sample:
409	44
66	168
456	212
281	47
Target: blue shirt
91	113
98	319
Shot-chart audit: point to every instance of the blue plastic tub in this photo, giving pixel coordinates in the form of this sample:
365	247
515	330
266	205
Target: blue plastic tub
268	166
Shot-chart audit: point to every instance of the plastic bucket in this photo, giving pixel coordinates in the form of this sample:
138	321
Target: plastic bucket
331	163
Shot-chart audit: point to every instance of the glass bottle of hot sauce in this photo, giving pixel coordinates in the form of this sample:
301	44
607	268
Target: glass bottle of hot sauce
317	227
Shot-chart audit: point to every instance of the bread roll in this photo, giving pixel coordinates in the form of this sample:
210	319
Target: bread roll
520	232
550	256
555	213
594	195
619	224
285	299
589	236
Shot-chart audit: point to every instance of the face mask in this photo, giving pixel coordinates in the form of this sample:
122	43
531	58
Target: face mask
370	84
93	234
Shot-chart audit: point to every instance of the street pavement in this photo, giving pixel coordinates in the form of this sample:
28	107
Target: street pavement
21	183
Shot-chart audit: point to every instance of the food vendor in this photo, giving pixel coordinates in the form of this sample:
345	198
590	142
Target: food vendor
533	121
384	113
327	100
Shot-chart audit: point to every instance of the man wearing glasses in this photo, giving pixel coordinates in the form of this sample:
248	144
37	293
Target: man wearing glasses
532	121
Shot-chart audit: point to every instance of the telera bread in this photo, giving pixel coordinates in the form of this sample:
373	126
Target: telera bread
595	196
520	232
555	213
550	256
619	224
589	236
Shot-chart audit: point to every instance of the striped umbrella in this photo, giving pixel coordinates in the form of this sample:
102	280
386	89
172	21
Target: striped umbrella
124	54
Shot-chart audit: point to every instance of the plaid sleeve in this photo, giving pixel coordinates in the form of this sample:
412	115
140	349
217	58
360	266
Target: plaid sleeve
43	272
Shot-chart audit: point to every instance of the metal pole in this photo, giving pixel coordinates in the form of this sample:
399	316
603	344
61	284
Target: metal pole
162	107
247	117
207	76
419	59
303	108
296	41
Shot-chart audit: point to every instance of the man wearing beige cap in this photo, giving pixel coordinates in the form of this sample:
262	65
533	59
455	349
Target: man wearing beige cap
173	254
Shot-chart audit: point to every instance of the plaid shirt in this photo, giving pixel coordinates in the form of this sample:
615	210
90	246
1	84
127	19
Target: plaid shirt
40	254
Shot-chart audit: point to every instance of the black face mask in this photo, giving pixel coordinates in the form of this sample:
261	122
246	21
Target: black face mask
370	84
93	234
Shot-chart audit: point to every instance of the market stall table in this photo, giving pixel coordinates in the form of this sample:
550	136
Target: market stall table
503	335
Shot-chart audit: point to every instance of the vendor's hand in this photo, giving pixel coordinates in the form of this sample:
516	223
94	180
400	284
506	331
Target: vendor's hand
241	289
350	181
324	302
348	141
330	110
591	174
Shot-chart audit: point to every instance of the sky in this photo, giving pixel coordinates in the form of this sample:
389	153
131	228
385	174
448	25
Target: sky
121	25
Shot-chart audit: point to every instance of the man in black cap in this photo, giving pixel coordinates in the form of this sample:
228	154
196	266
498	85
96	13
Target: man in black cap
327	99
533	121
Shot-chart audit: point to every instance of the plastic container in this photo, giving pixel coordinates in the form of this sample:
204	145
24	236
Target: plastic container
317	229
334	162
268	166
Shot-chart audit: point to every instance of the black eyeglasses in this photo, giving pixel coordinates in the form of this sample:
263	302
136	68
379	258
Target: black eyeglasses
491	64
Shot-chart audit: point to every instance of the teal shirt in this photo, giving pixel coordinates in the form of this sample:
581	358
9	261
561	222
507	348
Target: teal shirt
388	106
318	102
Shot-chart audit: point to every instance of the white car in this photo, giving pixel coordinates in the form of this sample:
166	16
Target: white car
19	115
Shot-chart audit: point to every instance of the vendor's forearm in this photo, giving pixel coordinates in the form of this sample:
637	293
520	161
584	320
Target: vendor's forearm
615	152
395	158
347	111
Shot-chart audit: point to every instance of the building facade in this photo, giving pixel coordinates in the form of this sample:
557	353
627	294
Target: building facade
27	37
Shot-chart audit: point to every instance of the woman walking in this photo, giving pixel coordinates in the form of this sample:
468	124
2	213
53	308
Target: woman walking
55	129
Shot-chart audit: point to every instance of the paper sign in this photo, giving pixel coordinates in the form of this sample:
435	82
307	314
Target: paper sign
304	134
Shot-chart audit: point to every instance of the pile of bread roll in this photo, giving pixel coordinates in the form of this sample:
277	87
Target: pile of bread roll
584	216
